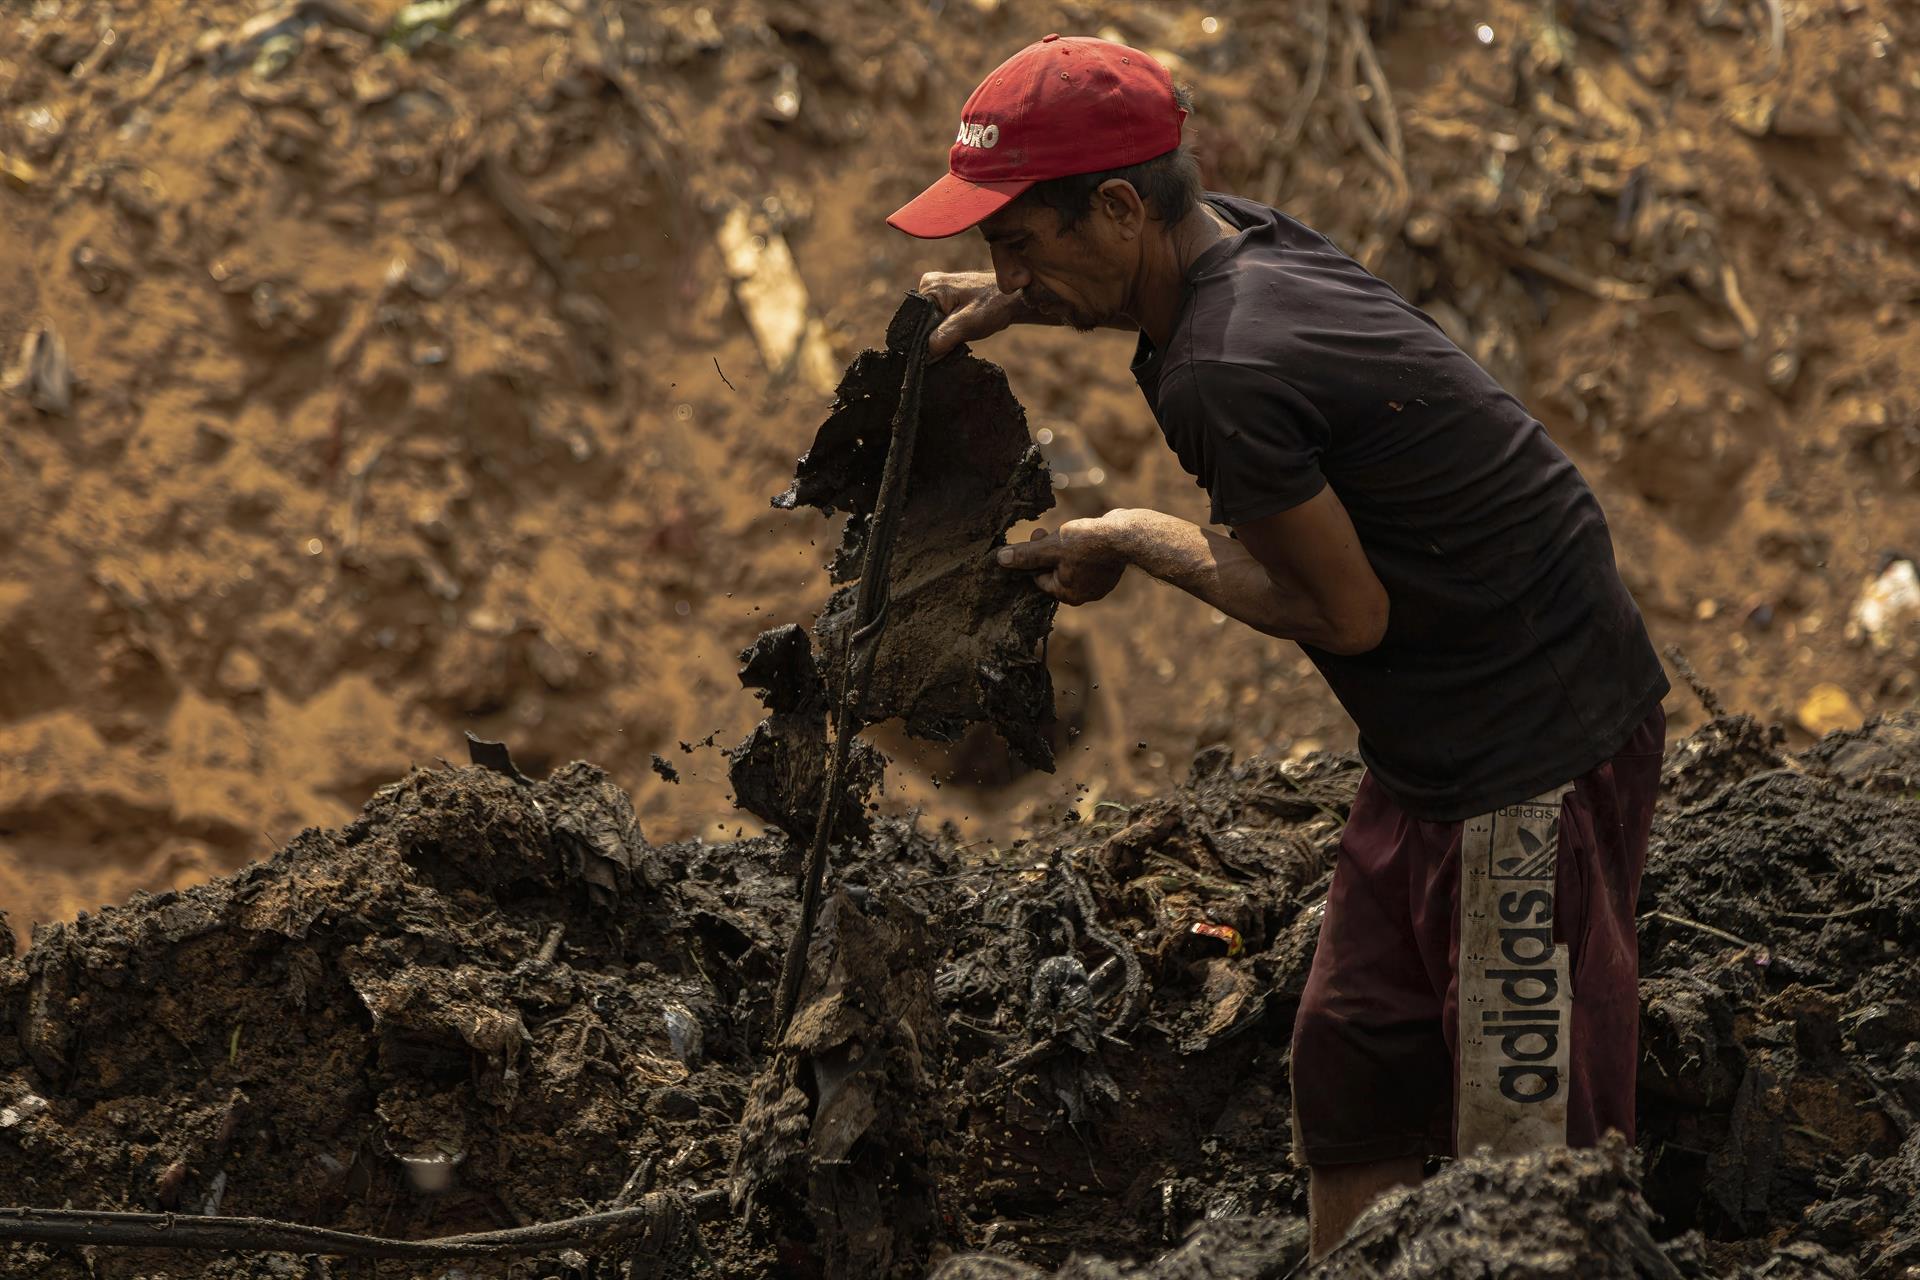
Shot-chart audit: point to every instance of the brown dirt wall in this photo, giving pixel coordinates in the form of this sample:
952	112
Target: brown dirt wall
361	453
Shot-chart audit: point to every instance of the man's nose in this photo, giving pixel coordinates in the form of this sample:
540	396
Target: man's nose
1008	271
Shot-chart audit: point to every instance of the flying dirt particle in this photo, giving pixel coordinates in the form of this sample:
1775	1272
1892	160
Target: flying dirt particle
665	770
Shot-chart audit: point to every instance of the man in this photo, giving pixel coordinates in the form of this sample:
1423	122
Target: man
1404	519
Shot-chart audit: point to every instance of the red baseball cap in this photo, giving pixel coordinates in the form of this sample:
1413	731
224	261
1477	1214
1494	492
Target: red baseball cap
1062	105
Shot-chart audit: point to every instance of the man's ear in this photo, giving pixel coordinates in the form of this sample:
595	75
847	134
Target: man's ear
1123	204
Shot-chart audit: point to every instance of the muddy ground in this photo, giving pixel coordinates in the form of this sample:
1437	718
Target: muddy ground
377	372
411	389
1022	1051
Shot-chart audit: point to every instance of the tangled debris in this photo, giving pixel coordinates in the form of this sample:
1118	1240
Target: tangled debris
844	1121
488	1003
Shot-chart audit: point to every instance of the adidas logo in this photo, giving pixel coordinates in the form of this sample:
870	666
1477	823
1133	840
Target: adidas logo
1535	860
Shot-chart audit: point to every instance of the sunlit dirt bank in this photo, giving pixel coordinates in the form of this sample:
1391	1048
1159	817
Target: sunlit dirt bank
380	372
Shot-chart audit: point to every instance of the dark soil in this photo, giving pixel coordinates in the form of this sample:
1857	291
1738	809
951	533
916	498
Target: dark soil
964	640
1026	1053
1559	1215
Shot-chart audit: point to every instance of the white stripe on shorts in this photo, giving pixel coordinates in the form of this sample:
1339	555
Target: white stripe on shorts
1516	999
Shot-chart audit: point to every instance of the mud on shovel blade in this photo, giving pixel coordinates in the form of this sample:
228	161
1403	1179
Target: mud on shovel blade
863	642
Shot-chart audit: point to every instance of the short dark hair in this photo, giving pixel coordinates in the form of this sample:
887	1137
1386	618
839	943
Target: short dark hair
1168	184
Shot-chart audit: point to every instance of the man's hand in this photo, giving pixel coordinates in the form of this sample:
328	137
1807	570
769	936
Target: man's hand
974	306
1078	566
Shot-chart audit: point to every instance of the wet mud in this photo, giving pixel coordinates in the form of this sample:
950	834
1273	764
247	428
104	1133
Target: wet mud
964	641
1004	1058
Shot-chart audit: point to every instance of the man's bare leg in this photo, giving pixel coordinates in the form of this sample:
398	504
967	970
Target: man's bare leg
1339	1193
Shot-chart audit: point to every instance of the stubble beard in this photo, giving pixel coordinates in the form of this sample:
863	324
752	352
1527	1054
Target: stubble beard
1071	316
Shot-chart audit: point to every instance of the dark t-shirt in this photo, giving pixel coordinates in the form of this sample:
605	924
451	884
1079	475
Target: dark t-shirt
1514	658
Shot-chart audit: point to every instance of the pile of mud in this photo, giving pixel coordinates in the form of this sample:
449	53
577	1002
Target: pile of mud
382	369
1008	1055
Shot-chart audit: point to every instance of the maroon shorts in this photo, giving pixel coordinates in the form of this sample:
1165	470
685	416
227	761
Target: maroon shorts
1476	983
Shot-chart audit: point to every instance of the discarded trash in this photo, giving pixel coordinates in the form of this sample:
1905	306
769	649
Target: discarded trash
1888	611
276	54
430	1173
767	285
683	1033
24	1108
19	172
41	130
42	372
785	103
493	755
1225	932
420	21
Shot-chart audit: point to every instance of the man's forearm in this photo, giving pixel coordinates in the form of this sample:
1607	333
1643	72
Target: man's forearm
1218	570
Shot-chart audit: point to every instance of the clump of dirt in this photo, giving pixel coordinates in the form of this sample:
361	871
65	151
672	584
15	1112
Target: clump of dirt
963	640
1072	1044
780	770
1781	1041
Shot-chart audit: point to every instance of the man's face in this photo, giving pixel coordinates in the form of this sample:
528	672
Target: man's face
1080	277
